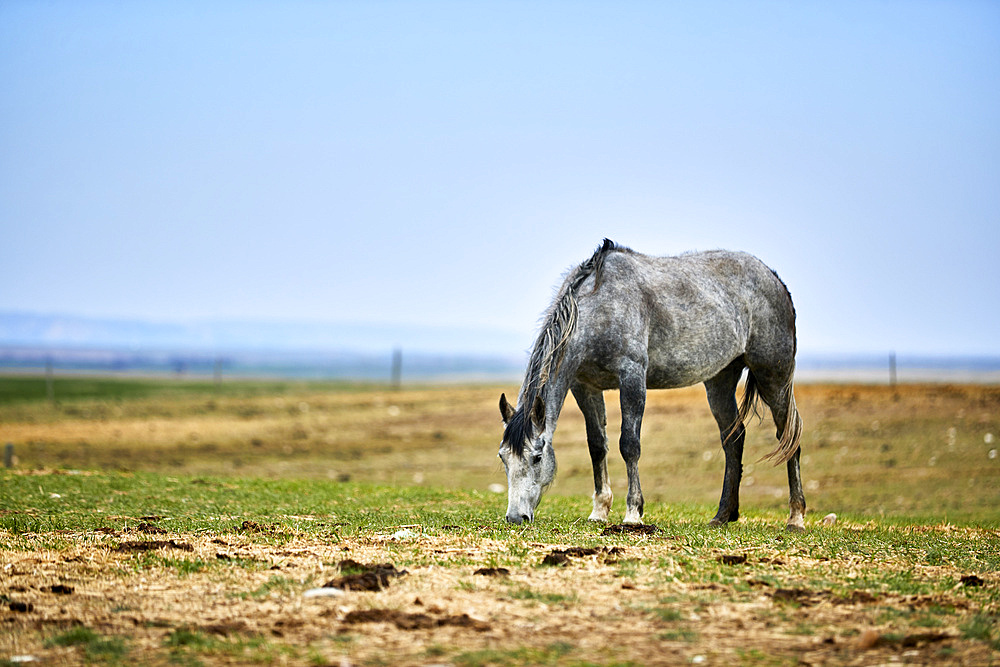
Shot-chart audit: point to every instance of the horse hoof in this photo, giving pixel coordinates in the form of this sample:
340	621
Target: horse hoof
597	519
715	523
795	528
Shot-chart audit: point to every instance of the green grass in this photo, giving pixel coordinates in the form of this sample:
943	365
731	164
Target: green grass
187	646
983	627
182	566
96	648
275	585
281	509
524	593
548	655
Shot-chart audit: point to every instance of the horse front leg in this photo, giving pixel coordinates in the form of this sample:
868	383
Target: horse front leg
591	404
633	403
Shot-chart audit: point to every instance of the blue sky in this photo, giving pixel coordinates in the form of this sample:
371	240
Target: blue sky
446	162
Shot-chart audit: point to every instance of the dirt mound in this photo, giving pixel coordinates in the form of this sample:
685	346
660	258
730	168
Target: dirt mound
153	545
630	529
562	556
413	621
362	577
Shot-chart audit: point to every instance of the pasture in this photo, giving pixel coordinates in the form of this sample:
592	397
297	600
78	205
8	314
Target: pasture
172	522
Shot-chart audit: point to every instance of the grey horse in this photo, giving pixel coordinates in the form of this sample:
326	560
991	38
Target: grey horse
628	321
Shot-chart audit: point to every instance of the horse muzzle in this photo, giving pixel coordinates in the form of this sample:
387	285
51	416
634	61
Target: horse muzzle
518	517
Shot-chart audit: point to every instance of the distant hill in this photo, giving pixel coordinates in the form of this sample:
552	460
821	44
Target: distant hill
288	349
28	329
361	351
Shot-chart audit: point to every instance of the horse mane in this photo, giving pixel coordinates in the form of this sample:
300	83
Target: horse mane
550	346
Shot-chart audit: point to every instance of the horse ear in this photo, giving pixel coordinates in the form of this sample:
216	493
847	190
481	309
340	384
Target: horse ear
506	411
538	413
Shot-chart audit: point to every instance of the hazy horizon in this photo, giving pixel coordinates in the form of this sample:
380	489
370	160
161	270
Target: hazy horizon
210	337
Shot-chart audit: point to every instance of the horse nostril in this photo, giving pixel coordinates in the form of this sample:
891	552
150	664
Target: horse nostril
514	519
526	518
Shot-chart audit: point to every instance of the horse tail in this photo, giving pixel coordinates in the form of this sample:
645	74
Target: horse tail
791	432
749	404
788	441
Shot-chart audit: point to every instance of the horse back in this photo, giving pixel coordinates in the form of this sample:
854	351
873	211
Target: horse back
686	317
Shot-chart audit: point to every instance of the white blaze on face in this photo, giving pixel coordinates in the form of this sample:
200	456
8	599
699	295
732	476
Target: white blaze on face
527	479
523	493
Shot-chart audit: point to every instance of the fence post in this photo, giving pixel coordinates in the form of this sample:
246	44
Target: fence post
8	455
397	368
892	369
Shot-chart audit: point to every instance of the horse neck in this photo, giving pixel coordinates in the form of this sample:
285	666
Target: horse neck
553	395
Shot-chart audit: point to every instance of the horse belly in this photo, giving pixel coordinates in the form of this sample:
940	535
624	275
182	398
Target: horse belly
681	361
597	375
676	375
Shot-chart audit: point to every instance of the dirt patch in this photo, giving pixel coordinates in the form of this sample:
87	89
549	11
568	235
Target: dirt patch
254	527
660	612
805	597
630	529
226	629
153	545
872	639
555	558
732	559
364	577
562	556
59	589
413	621
150	528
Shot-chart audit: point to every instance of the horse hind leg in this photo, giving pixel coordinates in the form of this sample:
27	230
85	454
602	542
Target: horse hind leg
796	499
721	392
591	404
780	397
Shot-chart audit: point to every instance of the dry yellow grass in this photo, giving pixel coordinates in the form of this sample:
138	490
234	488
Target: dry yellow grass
865	448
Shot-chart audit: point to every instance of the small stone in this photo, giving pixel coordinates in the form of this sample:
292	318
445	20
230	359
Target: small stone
323	593
829	519
869	639
404	534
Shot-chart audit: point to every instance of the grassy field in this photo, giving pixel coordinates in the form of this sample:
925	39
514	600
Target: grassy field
186	523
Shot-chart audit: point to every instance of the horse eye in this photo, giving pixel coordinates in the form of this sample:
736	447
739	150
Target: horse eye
536	459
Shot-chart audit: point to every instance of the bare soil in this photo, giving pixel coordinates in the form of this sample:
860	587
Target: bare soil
615	604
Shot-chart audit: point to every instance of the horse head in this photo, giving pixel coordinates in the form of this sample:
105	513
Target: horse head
528	458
